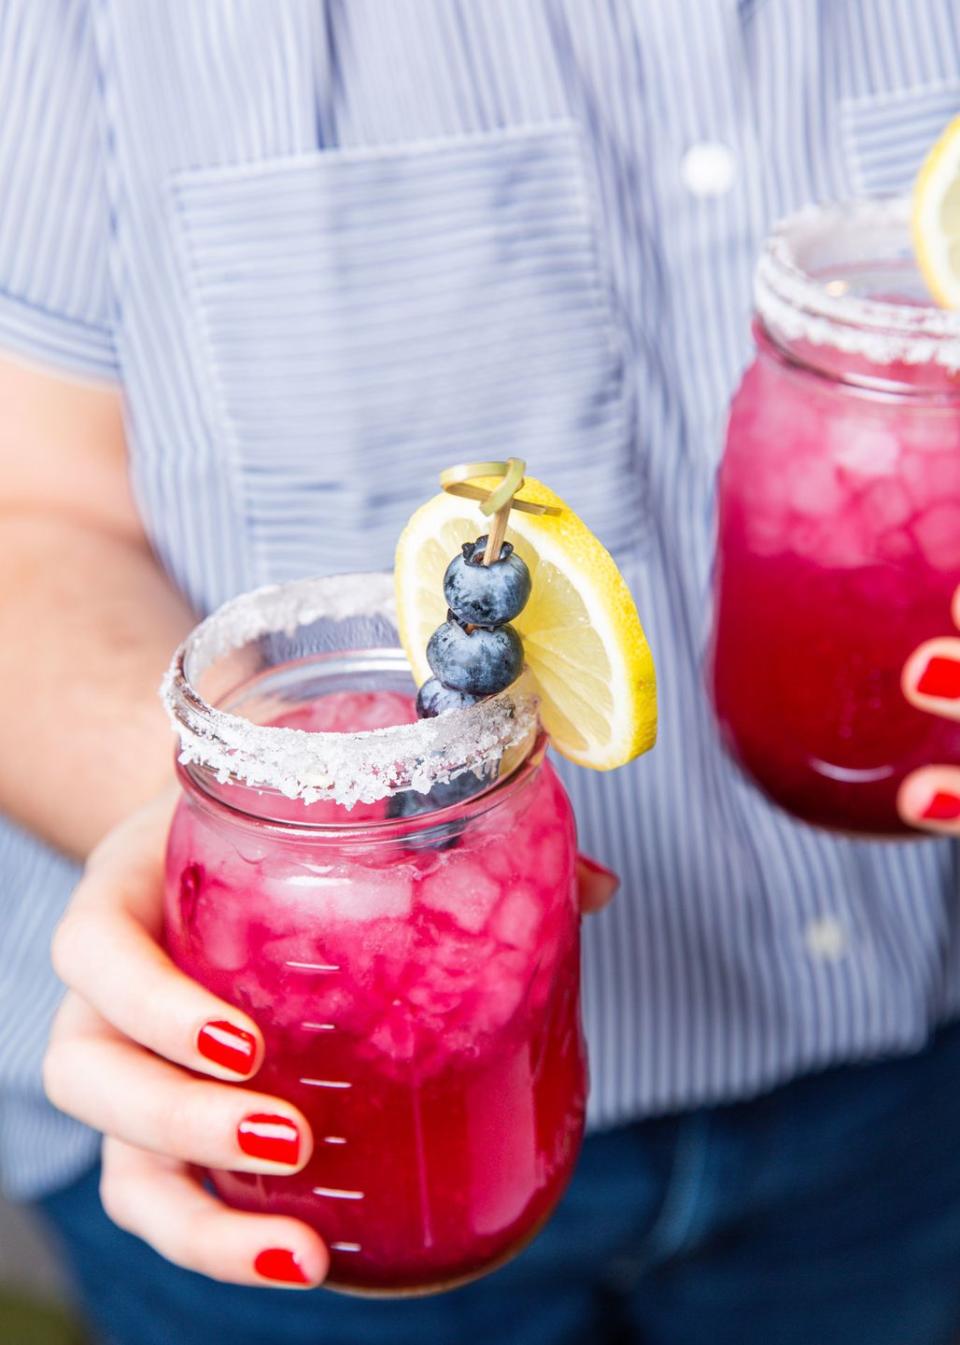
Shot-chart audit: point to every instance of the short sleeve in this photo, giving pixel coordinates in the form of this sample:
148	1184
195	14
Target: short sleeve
55	300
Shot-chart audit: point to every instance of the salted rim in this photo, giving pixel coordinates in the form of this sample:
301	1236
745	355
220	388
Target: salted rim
345	768
797	304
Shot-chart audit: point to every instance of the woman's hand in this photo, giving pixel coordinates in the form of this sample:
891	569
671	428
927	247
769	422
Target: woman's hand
130	1028
930	798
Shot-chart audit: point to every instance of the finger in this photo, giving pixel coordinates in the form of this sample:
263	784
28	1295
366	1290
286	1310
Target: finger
930	799
153	1105
596	885
955	606
160	1201
135	853
102	951
931	677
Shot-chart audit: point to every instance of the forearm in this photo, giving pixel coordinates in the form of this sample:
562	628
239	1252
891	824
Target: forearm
88	621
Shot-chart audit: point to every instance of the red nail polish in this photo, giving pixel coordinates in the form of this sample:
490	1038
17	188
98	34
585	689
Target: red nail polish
228	1046
600	869
276	1263
274	1138
941	677
942	807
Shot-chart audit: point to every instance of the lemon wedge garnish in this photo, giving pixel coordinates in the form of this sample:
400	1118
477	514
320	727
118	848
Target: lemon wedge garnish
582	637
936	218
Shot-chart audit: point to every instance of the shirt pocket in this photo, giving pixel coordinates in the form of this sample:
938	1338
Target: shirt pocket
365	318
886	135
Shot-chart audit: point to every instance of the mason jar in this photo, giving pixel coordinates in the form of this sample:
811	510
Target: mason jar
393	902
839	520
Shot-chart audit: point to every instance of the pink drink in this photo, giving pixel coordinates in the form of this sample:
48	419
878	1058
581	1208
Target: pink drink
839	545
418	995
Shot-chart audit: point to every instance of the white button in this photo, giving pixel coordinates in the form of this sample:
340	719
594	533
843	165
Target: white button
708	169
826	938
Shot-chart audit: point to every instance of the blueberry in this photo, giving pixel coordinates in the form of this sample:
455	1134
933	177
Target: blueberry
434	698
486	595
481	662
444	794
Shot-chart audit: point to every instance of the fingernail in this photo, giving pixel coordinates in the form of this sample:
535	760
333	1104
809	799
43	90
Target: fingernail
274	1138
276	1263
227	1046
943	807
600	870
941	678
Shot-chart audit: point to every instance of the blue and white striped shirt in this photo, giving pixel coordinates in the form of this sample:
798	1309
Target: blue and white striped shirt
330	246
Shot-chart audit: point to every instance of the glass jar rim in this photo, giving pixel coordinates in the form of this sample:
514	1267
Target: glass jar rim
429	827
345	768
795	301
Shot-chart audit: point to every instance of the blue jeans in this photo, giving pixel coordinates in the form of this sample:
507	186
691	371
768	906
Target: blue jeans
826	1212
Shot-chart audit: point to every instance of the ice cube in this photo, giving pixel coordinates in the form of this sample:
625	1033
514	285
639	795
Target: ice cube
847	544
841	543
517	919
938	532
351	712
336	1004
765	489
382	895
895	545
932	478
929	429
499	859
887	504
382	958
222	932
864	450
214	917
815	490
345	893
462	889
553	858
767	533
503	986
395	1035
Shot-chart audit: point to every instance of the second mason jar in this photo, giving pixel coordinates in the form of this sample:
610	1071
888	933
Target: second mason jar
394	903
839	520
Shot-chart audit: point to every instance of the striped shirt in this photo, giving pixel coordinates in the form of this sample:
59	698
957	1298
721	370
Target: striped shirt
327	248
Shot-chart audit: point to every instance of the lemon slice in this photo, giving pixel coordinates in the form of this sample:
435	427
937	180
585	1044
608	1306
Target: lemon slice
936	218
582	637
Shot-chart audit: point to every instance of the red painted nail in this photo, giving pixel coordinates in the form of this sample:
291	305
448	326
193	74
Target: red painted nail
942	807
600	870
274	1138
276	1263
228	1046
941	677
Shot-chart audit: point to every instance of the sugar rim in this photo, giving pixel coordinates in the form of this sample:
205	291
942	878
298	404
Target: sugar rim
344	768
795	303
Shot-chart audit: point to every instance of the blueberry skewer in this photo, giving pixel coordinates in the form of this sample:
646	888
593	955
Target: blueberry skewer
477	652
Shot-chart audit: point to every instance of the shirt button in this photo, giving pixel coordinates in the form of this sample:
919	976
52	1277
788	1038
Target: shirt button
708	169
826	939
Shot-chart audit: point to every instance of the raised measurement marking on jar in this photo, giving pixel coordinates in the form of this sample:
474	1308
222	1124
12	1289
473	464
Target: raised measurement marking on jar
334	1139
345	1247
336	1194
326	1083
848	776
319	1027
311	966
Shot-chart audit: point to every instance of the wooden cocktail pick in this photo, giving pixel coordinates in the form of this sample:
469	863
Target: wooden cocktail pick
496	503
